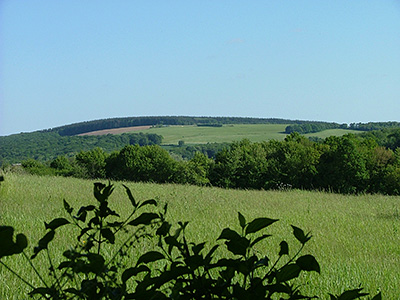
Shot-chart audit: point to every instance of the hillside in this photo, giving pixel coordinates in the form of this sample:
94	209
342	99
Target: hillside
112	134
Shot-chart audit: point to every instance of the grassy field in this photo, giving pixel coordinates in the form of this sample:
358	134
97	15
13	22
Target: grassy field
356	239
229	133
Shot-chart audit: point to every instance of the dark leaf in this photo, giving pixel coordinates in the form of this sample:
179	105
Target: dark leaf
229	234
300	236
8	247
67	207
377	297
42	291
43	243
259	239
350	295
21	242
150	257
96	262
163	230
238	246
108	235
284	248
197	248
263	262
208	257
148	202
288	272
73	291
242	220
308	263
53	225
128	273
130	196
144	219
258	224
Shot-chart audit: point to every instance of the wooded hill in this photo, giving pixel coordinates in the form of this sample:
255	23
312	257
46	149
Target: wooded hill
47	144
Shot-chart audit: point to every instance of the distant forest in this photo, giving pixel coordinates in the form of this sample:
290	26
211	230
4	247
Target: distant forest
311	127
47	144
102	124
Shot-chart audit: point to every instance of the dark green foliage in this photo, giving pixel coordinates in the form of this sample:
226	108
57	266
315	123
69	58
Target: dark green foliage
37	168
312	127
174	268
93	161
135	163
45	146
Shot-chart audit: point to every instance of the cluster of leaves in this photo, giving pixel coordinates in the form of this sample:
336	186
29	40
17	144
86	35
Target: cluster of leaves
347	164
175	269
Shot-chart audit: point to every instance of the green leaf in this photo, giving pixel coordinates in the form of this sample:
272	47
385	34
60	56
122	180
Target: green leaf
300	236
150	257
130	196
258	224
287	273
144	219
242	220
53	225
108	235
308	263
284	248
128	273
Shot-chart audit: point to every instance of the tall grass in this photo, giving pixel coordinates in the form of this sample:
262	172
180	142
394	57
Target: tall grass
356	239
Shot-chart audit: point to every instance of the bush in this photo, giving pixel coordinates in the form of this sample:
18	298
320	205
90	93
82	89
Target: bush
174	269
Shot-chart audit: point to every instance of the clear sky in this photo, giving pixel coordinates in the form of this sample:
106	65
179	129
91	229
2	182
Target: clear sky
63	62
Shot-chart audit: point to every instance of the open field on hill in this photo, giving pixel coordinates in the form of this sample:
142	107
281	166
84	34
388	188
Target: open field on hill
192	134
356	239
115	130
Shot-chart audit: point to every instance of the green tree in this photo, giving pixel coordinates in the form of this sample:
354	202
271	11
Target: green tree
93	161
343	166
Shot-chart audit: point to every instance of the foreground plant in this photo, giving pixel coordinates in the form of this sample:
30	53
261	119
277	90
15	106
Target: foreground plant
174	269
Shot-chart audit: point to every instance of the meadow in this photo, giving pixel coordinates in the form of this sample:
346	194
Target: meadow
192	134
355	238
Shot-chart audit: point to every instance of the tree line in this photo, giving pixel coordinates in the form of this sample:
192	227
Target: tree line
312	127
44	146
347	164
94	125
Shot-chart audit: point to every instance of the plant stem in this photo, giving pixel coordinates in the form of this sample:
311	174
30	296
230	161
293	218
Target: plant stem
36	271
17	275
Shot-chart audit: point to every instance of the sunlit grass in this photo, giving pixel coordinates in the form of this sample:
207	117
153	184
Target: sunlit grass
356	239
192	134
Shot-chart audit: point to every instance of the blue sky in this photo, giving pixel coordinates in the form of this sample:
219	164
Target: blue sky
63	62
